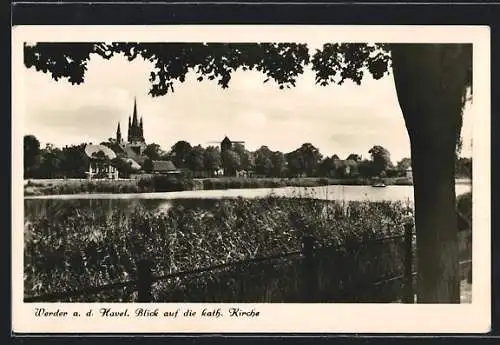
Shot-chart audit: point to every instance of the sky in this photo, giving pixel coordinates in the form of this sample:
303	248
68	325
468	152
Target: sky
336	119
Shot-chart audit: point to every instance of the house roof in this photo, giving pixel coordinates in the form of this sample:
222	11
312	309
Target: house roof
159	166
90	150
133	163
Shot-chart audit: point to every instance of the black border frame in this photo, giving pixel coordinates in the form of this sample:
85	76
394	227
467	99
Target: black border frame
107	12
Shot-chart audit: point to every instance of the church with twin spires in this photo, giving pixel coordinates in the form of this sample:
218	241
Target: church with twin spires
135	145
130	151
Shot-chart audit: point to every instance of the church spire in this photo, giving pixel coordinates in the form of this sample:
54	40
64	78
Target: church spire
118	134
129	130
134	115
135	127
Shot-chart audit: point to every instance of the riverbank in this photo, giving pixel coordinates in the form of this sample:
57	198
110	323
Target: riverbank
167	184
68	248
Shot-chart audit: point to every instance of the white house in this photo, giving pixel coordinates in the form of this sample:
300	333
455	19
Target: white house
100	162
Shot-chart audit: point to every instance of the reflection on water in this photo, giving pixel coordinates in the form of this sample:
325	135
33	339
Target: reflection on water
161	202
336	192
59	207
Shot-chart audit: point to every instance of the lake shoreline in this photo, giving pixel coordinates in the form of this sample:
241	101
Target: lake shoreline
333	192
159	184
59	187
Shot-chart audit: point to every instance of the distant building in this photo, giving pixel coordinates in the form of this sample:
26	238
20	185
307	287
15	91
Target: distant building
227	145
136	144
100	165
131	150
164	168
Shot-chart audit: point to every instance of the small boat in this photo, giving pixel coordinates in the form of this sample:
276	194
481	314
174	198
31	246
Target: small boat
378	184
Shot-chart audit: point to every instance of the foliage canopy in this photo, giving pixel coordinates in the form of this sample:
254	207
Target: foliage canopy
282	62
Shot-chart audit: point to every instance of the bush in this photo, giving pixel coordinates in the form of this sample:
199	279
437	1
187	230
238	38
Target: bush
165	183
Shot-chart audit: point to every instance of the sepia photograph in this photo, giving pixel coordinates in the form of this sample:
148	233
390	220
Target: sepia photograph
247	173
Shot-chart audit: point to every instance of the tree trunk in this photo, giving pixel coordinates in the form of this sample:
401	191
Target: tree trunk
430	82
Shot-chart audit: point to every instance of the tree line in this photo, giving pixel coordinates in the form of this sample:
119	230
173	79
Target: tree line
197	161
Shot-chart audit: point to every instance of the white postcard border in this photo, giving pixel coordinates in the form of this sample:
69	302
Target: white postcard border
295	318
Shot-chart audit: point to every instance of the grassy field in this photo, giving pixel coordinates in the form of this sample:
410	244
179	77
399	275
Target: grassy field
167	184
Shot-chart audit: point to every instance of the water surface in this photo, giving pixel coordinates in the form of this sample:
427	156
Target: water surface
334	192
35	206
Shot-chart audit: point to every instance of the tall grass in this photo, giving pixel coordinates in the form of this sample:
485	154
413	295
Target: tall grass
82	187
162	183
67	249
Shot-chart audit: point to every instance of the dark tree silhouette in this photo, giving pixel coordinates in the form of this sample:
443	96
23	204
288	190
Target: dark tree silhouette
278	164
404	163
365	168
328	167
231	162
212	159
431	82
50	162
196	161
153	151
246	158
263	161
381	159
74	161
181	152
312	158
147	166
31	153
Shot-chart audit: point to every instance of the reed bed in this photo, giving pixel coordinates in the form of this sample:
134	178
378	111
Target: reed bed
71	248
